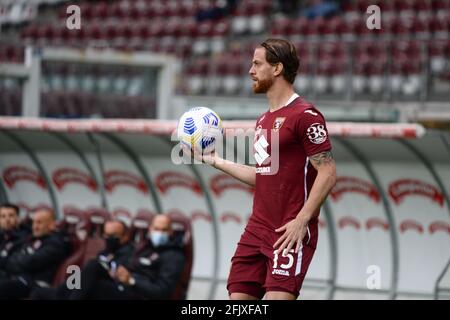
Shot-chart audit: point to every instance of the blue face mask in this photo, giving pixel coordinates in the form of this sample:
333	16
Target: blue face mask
159	238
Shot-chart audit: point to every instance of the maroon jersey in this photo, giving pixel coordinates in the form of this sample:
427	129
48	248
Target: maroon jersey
284	139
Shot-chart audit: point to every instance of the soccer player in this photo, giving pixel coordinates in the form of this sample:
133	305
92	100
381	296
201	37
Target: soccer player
294	173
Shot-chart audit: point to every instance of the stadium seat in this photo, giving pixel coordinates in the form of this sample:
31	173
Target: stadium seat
97	218
239	21
257	20
76	224
230	72
197	73
437	58
182	225
123	215
282	26
140	225
375	73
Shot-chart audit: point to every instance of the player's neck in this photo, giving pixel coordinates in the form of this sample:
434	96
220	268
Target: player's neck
279	95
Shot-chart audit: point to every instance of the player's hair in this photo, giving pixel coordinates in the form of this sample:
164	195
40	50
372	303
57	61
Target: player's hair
11	206
282	51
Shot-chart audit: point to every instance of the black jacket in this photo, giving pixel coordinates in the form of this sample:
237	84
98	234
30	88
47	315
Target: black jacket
10	242
38	258
121	257
157	271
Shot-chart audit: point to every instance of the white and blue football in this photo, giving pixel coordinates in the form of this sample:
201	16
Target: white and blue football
199	128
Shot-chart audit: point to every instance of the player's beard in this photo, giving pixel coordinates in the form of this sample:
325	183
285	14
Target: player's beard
262	86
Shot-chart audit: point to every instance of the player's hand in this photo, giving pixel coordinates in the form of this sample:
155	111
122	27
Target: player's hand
122	274
208	158
294	232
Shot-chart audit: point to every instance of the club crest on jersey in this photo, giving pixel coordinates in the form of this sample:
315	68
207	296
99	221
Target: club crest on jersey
278	123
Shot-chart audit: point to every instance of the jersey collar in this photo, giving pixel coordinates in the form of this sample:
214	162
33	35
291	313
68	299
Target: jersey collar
292	98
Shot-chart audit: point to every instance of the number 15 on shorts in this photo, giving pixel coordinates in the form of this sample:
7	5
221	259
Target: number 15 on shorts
283	268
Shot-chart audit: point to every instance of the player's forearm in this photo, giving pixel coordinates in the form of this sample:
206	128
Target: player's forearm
242	172
324	182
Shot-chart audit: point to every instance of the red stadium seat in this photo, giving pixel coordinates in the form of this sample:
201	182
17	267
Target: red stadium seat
282	26
100	11
97	218
182	225
140	224
436	53
189	29
402	5
77	225
123	215
117	11
422	5
439	5
438	26
187	9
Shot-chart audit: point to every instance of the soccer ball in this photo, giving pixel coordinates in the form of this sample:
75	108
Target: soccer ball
198	128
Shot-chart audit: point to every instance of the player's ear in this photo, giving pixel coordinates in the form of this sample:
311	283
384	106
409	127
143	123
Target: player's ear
278	69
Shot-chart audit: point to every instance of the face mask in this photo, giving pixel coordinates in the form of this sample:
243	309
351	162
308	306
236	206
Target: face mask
159	238
112	244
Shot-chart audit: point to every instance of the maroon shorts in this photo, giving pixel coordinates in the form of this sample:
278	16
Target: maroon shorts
257	269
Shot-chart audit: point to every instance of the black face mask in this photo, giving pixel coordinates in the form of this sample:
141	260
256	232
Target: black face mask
112	244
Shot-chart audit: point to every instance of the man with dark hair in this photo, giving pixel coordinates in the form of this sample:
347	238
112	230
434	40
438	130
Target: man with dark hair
37	260
12	234
9	216
294	173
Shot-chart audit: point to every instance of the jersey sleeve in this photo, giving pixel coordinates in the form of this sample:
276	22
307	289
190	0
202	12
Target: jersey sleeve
312	132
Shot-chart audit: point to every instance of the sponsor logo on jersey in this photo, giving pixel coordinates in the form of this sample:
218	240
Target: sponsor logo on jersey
278	123
316	133
260	146
281	272
263	170
263	154
257	133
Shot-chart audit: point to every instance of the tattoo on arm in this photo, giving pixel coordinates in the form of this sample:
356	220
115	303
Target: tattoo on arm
321	158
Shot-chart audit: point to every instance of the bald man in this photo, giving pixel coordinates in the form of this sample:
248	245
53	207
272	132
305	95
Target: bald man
153	271
36	262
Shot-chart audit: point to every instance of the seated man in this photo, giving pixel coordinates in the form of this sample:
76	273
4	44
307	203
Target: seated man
118	250
152	273
35	262
12	234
